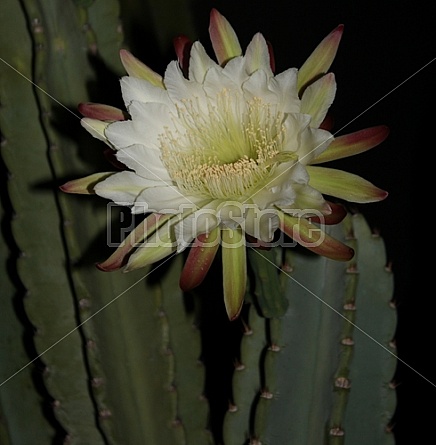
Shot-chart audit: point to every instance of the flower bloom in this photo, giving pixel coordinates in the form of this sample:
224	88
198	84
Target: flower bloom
215	153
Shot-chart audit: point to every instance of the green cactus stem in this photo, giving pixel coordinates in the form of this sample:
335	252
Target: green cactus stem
318	360
104	340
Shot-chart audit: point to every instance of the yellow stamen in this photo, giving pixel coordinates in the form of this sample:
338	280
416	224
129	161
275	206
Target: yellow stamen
225	149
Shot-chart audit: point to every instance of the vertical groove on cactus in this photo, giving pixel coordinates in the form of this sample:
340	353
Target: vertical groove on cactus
300	361
184	345
50	304
48	300
246	381
372	397
18	393
112	379
341	380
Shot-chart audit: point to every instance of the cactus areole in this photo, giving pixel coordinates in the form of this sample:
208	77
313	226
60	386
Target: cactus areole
217	153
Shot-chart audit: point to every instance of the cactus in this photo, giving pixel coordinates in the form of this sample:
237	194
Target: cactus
113	358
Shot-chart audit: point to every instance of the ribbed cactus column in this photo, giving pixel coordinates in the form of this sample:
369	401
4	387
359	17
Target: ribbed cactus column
120	353
325	364
247	381
41	266
372	394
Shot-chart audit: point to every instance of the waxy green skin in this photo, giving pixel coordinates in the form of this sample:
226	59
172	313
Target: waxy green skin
121	353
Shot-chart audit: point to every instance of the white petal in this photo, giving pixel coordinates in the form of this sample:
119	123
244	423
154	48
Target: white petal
203	220
279	190
285	86
146	162
294	124
257	56
167	199
301	138
257	86
148	123
122	188
308	201
177	86
235	71
134	89
199	63
313	142
215	82
261	224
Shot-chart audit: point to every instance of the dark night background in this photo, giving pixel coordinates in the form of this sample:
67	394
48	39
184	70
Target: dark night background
381	79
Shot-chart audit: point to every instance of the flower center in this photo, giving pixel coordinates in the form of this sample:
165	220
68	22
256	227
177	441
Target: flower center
224	149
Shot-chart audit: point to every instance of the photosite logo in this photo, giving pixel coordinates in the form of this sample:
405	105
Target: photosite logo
231	215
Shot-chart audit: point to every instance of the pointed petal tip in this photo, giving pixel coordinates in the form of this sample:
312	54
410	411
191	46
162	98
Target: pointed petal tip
320	60
314	238
135	68
111	264
384	129
126	57
383	194
233	310
86	185
215	15
188	282
333	249
233	317
353	143
100	111
224	40
337	213
375	194
349	255
336	33
107	268
77	186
